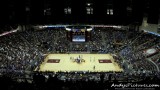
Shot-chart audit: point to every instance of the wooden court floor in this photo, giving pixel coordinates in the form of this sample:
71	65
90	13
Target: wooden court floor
90	63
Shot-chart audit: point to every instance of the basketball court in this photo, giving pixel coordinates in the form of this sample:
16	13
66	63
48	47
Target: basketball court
79	62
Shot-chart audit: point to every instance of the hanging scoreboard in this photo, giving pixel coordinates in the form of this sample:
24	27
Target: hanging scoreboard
78	33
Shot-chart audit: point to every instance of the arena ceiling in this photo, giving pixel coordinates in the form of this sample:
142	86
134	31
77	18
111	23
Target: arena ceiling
78	11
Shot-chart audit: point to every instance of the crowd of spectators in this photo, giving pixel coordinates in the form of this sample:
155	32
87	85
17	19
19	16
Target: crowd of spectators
76	81
24	51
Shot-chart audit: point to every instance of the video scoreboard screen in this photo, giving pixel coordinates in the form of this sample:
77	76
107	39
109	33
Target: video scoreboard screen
78	33
78	38
78	30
